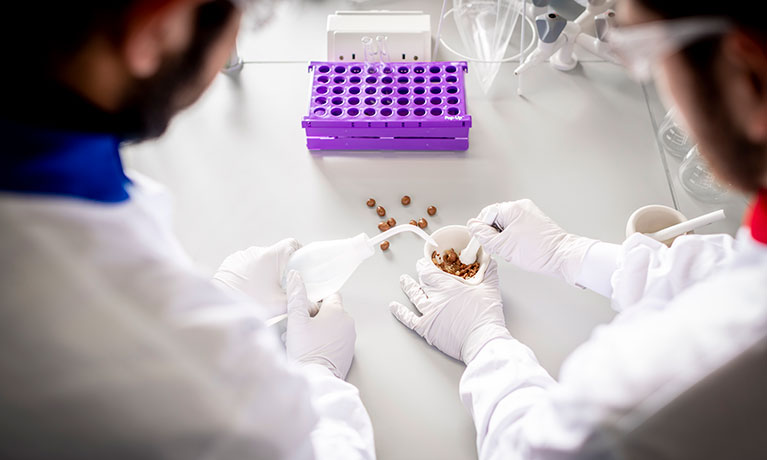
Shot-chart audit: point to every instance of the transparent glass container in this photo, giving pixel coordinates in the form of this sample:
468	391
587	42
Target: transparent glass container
696	177
675	141
370	53
383	48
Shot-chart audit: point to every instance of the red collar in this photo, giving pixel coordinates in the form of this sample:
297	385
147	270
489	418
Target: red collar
756	218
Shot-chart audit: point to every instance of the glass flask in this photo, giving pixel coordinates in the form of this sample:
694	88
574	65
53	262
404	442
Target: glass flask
696	177
675	141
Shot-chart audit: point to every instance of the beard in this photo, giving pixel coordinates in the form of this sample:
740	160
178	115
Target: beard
151	103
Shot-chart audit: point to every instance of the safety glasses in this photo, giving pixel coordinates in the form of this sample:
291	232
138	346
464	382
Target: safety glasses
640	47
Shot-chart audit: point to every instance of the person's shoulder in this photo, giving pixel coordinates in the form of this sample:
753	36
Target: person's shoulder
655	352
742	282
651	346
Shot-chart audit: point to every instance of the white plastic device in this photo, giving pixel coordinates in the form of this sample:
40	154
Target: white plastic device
593	8
565	58
598	45
550	27
408	34
326	265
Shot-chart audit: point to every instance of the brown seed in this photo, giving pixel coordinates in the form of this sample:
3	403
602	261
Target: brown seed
431	210
392	222
383	226
381	211
413	222
452	257
405	200
422	222
371	202
384	245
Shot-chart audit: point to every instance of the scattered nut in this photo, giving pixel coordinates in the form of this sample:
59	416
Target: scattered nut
413	222
381	211
451	256
384	245
405	200
371	202
383	226
392	222
431	210
422	222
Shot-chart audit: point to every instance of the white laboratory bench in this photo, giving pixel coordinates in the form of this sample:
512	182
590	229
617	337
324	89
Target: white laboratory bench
581	145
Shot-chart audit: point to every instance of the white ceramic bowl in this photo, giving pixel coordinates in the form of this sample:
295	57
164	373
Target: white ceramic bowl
649	219
457	237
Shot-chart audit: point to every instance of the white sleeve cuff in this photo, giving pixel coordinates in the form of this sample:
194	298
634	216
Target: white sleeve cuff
317	370
598	267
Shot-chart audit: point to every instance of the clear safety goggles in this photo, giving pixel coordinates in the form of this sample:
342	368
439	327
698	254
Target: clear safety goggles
640	47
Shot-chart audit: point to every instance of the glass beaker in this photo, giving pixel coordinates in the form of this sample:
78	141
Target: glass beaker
675	141
696	177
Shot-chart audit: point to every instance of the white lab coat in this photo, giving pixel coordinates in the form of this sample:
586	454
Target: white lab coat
105	351
684	312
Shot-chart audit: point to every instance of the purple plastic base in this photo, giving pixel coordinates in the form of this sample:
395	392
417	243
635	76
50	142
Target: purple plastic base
386	143
397	106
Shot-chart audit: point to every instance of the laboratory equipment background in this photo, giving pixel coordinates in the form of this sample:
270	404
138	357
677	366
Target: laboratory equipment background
408	34
583	145
486	28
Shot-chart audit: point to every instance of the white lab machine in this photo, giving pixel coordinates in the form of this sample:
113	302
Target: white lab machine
401	35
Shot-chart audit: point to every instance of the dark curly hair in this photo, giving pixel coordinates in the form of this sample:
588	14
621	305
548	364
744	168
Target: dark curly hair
38	38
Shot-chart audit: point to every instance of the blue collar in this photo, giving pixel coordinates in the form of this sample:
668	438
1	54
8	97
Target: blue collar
61	163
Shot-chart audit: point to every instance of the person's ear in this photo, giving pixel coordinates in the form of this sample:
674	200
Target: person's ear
155	29
748	93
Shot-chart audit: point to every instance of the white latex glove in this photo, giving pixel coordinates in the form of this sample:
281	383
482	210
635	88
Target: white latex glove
531	240
327	338
456	318
257	272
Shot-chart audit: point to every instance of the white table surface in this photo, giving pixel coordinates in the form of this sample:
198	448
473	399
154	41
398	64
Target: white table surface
581	145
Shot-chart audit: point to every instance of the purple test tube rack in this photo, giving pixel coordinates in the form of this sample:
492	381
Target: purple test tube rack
392	106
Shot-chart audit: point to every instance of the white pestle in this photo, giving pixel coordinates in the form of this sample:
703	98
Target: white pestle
686	226
469	253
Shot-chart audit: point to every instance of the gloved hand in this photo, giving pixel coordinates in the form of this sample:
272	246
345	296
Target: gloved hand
530	240
327	338
257	272
456	318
